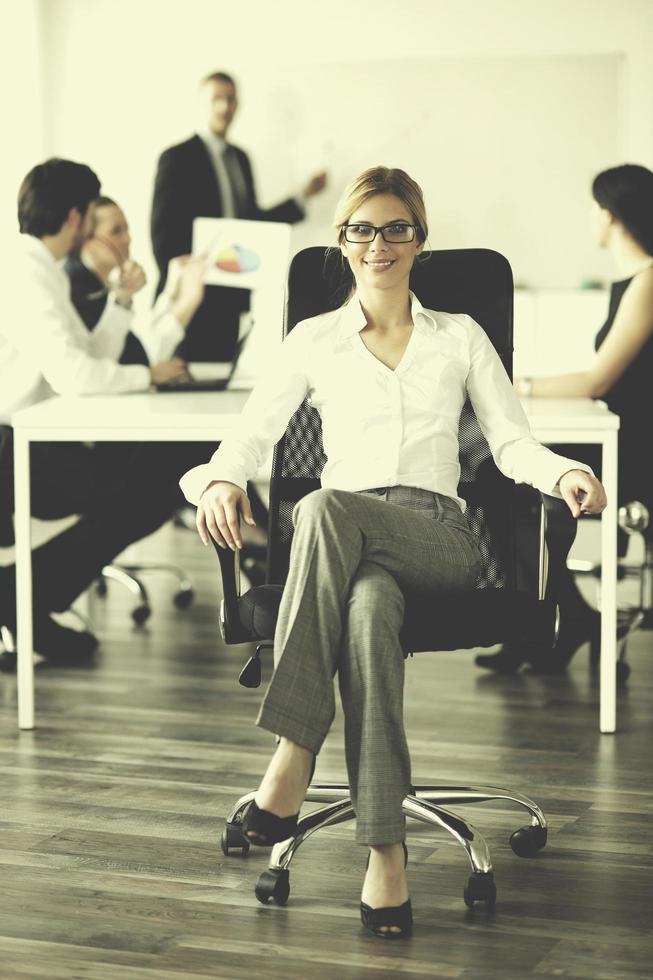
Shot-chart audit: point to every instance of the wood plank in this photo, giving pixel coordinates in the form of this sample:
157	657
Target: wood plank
112	810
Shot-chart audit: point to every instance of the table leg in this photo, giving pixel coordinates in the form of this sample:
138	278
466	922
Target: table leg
23	533
608	674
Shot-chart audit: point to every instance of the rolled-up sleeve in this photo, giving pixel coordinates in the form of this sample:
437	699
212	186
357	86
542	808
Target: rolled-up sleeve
261	424
158	330
50	335
504	424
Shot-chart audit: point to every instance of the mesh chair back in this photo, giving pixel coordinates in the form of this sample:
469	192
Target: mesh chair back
473	281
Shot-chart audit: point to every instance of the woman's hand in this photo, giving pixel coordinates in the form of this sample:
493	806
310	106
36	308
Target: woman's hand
218	514
130	279
582	493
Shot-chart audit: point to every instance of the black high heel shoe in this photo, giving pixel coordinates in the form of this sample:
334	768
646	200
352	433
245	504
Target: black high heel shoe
574	633
264	828
393	916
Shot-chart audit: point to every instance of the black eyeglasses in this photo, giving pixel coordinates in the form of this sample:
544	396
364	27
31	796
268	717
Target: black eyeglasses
398	233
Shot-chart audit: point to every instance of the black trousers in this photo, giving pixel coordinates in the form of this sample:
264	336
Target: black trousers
122	492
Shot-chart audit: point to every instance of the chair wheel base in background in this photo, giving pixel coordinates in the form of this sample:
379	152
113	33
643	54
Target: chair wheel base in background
141	614
480	888
527	841
233	839
273	884
184	598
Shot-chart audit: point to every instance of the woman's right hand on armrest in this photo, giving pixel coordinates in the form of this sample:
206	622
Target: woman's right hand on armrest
218	514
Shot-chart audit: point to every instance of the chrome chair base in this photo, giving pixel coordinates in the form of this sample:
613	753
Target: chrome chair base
130	577
424	803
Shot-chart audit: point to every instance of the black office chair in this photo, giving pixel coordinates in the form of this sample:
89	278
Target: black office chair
478	282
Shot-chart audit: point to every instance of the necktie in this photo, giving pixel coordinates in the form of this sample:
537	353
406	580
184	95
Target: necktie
236	181
224	183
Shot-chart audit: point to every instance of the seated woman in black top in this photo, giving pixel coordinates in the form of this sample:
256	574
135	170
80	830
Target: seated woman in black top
621	374
104	264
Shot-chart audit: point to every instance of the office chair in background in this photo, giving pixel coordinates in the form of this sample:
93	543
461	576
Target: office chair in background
634	524
477	282
130	576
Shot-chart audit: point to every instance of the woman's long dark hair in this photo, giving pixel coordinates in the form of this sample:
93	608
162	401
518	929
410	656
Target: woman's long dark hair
627	193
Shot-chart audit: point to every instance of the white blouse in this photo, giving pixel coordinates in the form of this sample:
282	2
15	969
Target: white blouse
45	348
384	427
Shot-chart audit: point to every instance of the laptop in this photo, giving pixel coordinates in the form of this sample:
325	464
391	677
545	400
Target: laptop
209	376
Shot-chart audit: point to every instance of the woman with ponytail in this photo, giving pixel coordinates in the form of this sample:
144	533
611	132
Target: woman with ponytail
621	374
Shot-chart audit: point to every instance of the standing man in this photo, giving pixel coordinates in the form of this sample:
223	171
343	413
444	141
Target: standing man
206	176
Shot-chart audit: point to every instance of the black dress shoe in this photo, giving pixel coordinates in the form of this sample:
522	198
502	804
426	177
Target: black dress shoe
508	660
57	645
574	633
264	828
383	921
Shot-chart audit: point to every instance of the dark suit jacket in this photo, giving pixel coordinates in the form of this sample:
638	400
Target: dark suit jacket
186	188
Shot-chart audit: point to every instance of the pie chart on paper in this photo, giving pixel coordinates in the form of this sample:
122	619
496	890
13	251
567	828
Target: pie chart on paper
236	258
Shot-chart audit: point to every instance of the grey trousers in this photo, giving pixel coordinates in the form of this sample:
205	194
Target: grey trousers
352	557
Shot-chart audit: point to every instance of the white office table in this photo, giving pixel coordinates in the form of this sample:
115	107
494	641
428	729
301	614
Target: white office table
201	417
169	417
582	420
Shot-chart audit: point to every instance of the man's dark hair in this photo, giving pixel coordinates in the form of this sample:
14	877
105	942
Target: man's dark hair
627	193
220	76
49	192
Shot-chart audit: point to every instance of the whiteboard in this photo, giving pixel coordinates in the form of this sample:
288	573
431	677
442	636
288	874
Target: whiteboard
504	148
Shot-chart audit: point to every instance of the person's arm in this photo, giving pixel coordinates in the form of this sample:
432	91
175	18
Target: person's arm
503	422
108	337
48	332
261	424
161	329
171	224
290	211
632	328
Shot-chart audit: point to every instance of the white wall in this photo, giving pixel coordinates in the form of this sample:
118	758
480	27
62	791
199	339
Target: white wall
121	85
21	82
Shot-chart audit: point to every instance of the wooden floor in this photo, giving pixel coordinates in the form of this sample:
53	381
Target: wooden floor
112	809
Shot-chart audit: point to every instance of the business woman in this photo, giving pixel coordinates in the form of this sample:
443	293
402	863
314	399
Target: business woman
389	379
621	374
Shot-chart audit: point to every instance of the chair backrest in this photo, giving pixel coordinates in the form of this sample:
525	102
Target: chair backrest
473	281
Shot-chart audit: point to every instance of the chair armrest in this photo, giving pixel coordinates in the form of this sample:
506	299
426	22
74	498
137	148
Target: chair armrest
558	529
230	625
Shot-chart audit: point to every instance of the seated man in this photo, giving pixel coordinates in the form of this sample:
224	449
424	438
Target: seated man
45	349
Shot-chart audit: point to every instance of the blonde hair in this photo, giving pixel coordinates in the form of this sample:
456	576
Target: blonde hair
382	180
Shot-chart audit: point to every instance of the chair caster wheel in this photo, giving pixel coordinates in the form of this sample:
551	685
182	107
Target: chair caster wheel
623	671
184	598
101	588
480	888
273	884
233	839
141	614
527	841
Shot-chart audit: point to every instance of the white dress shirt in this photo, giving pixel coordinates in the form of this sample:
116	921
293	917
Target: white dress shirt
226	176
216	147
45	349
158	330
382	427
